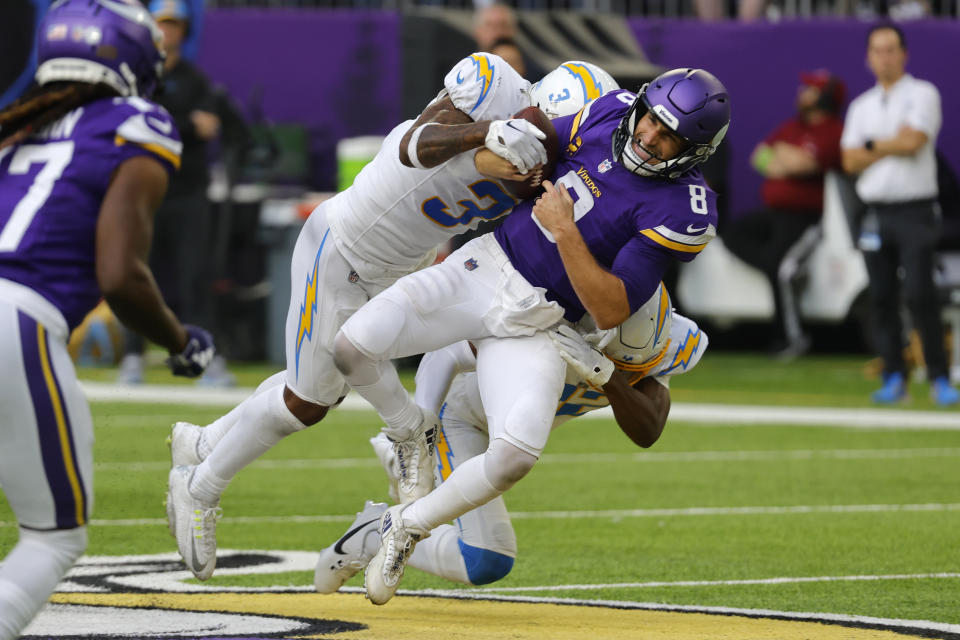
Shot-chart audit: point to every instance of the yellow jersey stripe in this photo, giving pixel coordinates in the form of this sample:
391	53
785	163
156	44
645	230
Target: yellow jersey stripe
671	244
68	461
164	153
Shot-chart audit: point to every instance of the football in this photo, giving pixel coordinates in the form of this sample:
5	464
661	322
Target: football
525	189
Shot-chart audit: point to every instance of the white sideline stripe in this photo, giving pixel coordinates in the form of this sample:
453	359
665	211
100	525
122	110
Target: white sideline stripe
683	412
657	606
562	515
580	458
715	583
815	416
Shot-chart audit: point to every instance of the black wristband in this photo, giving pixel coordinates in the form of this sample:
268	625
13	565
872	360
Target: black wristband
868	145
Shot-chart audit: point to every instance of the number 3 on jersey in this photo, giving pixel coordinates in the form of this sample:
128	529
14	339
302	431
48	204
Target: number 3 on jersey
439	211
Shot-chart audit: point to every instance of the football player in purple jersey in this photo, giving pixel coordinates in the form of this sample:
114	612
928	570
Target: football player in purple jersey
84	162
625	200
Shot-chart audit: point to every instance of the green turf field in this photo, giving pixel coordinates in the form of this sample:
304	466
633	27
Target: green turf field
854	521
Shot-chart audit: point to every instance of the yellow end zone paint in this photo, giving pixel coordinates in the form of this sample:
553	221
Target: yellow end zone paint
420	617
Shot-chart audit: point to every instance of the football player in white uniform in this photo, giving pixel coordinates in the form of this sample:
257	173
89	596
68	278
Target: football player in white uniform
425	185
481	547
562	257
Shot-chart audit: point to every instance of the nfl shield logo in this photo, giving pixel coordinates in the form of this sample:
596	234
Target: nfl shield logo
604	166
470	264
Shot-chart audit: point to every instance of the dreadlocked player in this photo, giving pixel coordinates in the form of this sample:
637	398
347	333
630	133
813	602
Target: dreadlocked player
84	162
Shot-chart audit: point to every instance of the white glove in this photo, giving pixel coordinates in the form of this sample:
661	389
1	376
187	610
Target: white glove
600	338
517	141
589	363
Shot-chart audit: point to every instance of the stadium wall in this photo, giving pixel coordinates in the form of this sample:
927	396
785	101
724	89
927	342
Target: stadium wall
342	72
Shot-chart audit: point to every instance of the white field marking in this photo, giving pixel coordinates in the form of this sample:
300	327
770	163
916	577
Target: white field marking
564	515
722	583
657	606
681	412
135	571
580	458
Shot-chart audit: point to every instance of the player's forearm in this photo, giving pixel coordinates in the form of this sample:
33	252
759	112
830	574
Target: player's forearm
906	143
791	161
602	294
437	143
856	160
640	411
136	301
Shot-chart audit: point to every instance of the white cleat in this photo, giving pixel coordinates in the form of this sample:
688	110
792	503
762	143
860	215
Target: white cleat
383	447
352	552
184	443
416	458
397	542
192	523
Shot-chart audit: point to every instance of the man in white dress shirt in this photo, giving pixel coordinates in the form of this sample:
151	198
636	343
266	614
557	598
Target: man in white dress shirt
888	142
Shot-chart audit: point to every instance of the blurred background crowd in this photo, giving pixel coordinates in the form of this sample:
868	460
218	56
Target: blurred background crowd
281	102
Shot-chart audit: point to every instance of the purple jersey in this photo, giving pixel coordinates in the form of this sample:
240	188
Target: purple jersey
51	189
633	225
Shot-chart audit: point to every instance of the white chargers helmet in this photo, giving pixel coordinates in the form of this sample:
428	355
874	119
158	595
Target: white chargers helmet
640	342
565	90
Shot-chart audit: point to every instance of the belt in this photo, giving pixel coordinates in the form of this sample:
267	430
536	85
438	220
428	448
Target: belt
901	205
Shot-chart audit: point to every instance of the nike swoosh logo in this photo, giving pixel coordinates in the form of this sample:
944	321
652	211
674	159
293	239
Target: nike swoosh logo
196	567
338	548
160	125
510	124
692	229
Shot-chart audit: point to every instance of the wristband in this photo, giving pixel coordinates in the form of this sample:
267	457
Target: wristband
412	146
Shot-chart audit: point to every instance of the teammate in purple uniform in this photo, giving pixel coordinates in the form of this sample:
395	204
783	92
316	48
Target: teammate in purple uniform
84	162
637	203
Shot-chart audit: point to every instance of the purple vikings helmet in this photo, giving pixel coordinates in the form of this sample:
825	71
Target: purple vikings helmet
690	102
115	42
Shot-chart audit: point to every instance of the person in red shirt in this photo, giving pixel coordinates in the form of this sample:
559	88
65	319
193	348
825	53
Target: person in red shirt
793	160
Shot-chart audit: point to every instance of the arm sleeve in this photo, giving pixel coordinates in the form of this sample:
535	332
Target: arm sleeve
150	133
437	370
852	137
687	345
485	87
641	267
924	113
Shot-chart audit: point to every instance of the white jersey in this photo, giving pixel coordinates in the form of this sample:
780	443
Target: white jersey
392	217
687	344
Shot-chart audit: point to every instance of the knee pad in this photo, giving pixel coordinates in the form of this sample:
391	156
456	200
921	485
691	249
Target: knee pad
484	566
505	464
373	330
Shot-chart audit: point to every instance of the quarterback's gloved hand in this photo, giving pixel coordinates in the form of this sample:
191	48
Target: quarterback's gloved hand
588	362
195	357
517	141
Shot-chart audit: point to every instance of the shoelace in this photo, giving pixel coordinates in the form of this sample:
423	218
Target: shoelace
205	522
408	459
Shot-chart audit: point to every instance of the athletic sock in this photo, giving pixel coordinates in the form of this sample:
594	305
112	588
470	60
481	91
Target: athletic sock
31	571
440	555
264	422
398	411
466	488
214	432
